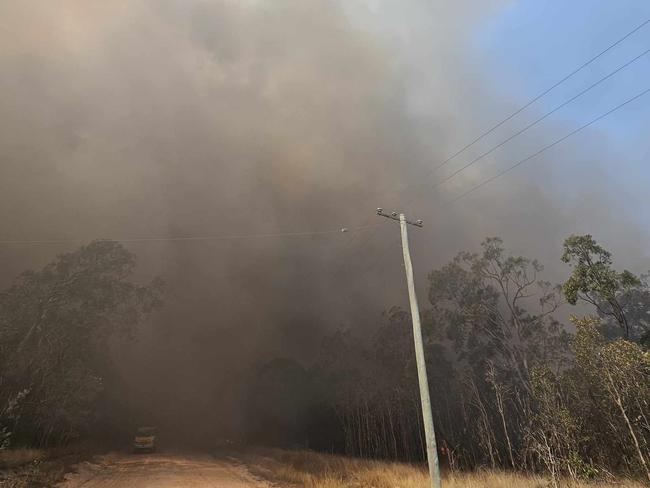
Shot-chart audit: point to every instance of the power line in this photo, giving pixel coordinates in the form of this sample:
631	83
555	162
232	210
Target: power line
533	100
519	163
546	91
537	121
528	104
388	248
194	238
317	233
549	146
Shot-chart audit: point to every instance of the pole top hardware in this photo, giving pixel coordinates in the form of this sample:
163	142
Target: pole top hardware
395	216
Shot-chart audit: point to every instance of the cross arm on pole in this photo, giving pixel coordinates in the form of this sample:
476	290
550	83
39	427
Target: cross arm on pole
396	216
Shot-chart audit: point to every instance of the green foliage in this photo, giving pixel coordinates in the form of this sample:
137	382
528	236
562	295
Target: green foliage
510	386
55	326
616	376
594	281
582	469
481	303
635	303
554	432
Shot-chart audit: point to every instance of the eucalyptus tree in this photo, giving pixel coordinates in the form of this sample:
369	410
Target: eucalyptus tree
615	294
56	325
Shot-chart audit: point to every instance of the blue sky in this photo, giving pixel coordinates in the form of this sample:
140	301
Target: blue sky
529	45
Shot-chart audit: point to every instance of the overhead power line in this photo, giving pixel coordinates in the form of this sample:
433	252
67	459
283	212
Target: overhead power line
194	238
546	91
538	120
388	248
549	146
525	106
528	104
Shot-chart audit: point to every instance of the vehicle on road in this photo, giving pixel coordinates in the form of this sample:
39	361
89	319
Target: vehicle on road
145	439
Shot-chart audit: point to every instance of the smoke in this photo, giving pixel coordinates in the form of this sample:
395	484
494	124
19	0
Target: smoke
149	118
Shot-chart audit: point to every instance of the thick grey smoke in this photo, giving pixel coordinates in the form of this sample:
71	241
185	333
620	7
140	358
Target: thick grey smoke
149	118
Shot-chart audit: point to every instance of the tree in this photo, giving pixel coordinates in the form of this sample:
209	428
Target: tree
510	387
618	375
55	328
478	302
594	281
635	302
495	318
556	431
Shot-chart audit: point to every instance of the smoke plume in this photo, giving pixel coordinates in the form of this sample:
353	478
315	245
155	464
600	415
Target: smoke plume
150	118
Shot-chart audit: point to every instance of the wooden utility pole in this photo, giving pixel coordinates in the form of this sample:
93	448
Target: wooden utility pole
429	432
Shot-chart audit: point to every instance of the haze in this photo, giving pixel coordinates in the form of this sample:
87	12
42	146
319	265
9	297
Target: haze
144	119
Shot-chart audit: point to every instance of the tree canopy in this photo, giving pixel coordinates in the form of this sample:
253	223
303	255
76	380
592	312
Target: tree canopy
55	328
594	281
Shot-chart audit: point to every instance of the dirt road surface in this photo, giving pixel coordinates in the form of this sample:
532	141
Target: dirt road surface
161	471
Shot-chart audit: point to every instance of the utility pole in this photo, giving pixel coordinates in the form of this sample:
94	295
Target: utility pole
429	433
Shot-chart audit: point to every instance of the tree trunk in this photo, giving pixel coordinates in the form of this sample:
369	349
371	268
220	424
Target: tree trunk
619	403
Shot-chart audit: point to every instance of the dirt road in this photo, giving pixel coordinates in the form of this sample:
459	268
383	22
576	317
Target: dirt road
161	471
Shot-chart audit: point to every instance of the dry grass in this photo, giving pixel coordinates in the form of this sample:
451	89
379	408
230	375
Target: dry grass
30	468
311	470
11	458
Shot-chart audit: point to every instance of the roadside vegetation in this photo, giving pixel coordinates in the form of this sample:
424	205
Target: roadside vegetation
313	470
513	388
36	468
57	381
